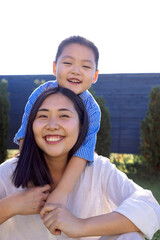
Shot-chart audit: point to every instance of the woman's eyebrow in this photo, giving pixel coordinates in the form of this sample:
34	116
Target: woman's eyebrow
64	109
61	109
43	109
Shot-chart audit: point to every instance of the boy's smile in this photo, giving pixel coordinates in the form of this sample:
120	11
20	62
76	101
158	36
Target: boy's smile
74	80
76	68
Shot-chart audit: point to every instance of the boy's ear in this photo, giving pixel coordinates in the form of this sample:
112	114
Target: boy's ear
95	76
54	68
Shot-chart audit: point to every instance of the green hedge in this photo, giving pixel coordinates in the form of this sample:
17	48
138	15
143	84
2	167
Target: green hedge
150	133
4	119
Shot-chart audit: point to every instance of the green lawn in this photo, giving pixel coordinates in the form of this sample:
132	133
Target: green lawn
150	182
12	152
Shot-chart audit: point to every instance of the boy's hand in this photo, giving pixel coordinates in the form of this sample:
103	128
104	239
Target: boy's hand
60	219
56	197
30	201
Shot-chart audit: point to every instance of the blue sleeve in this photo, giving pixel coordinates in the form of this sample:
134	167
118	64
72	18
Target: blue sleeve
21	132
86	151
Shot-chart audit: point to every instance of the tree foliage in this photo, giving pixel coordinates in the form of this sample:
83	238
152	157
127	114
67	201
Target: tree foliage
150	132
4	119
38	82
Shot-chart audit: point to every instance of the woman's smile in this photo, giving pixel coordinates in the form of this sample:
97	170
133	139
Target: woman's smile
53	139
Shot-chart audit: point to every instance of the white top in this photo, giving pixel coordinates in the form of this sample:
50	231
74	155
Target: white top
102	188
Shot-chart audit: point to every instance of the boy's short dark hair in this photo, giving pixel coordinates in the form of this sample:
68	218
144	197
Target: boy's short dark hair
79	40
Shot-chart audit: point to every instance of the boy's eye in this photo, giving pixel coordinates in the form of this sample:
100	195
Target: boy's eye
85	66
66	63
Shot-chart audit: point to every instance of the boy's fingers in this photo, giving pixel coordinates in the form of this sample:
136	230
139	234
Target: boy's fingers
57	232
47	208
43	213
50	222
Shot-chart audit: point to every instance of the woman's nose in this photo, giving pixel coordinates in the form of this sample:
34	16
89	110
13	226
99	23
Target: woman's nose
52	125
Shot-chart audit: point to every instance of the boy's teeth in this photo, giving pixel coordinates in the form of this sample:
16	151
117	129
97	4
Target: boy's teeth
74	81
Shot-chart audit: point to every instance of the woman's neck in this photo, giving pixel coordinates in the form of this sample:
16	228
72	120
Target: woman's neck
56	167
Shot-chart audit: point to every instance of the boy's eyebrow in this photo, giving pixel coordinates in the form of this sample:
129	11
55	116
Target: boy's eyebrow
89	61
85	60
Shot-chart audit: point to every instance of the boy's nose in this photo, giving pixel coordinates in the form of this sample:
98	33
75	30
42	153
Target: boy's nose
76	69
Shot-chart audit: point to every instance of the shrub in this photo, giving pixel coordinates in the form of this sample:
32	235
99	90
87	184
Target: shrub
103	144
150	132
4	119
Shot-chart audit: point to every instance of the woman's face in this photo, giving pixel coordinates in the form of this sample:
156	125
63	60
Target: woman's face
56	127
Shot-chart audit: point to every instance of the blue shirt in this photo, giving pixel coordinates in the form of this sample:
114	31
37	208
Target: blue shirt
86	151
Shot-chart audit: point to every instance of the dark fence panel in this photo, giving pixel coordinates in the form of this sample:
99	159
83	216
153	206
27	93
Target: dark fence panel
20	87
126	97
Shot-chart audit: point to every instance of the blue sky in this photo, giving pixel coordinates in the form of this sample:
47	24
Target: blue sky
125	31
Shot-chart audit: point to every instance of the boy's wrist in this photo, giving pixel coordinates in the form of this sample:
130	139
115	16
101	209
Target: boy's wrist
63	191
58	196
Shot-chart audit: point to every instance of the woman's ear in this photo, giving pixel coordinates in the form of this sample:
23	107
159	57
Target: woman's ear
54	68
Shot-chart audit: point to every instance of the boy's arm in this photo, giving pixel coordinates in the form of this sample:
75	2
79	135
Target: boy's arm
21	132
21	143
86	151
73	171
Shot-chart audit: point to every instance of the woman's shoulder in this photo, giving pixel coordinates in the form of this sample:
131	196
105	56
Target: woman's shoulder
96	176
6	172
101	165
100	161
9	161
8	166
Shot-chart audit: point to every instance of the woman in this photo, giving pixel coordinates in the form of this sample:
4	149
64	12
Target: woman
103	202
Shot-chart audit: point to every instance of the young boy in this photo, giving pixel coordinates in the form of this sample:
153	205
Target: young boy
75	67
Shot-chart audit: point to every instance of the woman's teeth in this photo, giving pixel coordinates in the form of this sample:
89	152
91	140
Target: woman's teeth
53	139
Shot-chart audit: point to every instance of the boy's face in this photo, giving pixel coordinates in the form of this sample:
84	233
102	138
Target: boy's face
76	68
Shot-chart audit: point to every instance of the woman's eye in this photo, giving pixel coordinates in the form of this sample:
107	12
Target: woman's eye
64	116
42	116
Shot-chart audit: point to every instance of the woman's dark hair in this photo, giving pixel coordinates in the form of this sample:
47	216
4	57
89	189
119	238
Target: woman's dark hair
31	166
80	40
